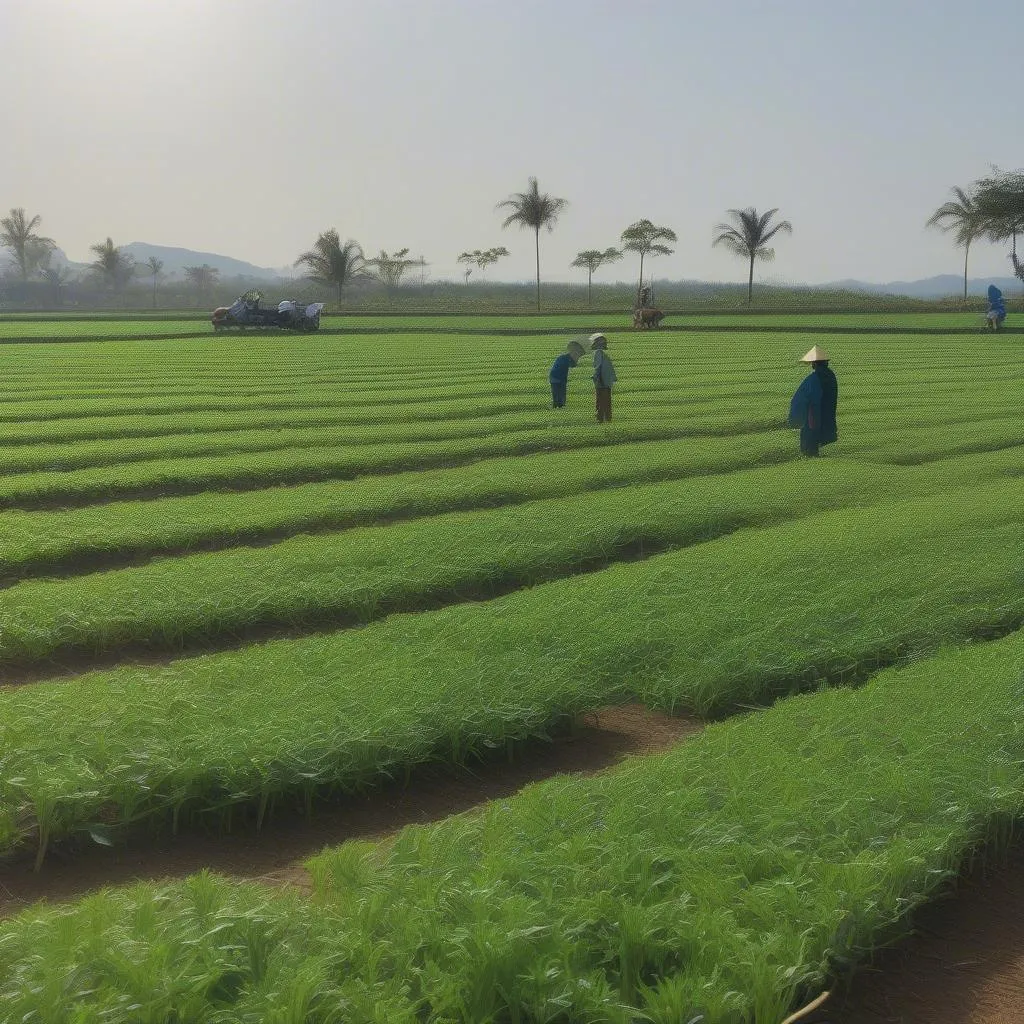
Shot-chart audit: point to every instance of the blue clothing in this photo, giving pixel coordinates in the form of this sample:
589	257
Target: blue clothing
996	304
560	369
813	409
558	394
604	370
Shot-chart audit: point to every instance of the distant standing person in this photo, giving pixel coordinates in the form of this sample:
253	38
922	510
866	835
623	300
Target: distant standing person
604	377
558	376
996	308
813	408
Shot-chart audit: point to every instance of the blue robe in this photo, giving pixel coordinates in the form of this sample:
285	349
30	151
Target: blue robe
996	304
813	409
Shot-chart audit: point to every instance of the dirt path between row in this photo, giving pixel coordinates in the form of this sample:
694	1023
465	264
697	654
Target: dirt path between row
963	965
274	855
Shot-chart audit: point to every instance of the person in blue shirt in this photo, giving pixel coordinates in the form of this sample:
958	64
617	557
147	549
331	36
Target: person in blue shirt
996	308
558	377
813	408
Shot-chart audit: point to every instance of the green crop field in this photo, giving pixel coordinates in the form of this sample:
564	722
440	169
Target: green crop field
242	574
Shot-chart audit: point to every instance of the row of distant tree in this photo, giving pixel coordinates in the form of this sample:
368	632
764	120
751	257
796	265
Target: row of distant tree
991	208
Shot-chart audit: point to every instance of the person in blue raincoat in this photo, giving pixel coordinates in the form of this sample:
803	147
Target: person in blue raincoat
558	376
813	408
996	308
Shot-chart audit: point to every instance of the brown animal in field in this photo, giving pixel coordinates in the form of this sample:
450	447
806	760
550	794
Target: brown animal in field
647	317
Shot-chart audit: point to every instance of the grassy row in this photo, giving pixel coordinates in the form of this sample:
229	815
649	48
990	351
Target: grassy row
363	574
731	622
119	327
37	541
666	890
272	411
670	410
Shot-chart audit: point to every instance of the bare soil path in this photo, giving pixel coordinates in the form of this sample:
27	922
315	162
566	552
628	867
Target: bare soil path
963	965
275	854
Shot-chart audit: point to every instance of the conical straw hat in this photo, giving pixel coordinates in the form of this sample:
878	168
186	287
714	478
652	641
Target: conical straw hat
575	349
816	355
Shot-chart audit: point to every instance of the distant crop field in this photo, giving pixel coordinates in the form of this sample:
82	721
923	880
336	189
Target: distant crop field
69	328
254	572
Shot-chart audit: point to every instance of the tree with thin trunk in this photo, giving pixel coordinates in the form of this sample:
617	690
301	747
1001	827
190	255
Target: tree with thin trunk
482	258
962	216
202	279
748	236
999	200
18	235
591	260
332	263
390	269
647	239
112	265
154	267
533	209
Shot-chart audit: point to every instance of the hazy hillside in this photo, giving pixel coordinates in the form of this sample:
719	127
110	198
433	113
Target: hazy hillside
175	261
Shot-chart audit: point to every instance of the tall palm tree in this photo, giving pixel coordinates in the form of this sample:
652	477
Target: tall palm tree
154	267
331	263
591	259
647	239
18	234
533	209
962	216
999	200
112	264
748	236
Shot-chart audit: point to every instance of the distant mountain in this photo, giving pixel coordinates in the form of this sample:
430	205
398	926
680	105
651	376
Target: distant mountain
175	261
929	288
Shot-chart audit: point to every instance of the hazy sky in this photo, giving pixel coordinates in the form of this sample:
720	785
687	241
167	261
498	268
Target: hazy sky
245	127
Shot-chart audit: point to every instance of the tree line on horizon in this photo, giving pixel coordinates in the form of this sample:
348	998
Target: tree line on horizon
992	207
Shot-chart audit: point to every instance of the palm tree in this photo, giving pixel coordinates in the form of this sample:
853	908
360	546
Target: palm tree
18	234
202	278
331	263
56	278
999	200
749	237
154	267
533	209
646	239
962	216
591	259
112	264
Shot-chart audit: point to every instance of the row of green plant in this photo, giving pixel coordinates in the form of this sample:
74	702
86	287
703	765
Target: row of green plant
64	421
726	881
733	622
672	411
41	541
354	577
16	328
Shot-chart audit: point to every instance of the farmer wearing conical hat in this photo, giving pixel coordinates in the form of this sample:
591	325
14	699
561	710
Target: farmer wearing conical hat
558	376
813	408
604	377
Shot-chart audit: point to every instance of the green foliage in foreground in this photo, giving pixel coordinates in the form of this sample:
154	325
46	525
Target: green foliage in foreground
736	621
353	577
729	877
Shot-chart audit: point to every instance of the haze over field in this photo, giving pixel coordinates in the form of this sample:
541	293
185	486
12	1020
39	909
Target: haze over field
246	127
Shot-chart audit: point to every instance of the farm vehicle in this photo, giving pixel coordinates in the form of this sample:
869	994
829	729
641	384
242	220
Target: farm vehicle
246	311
